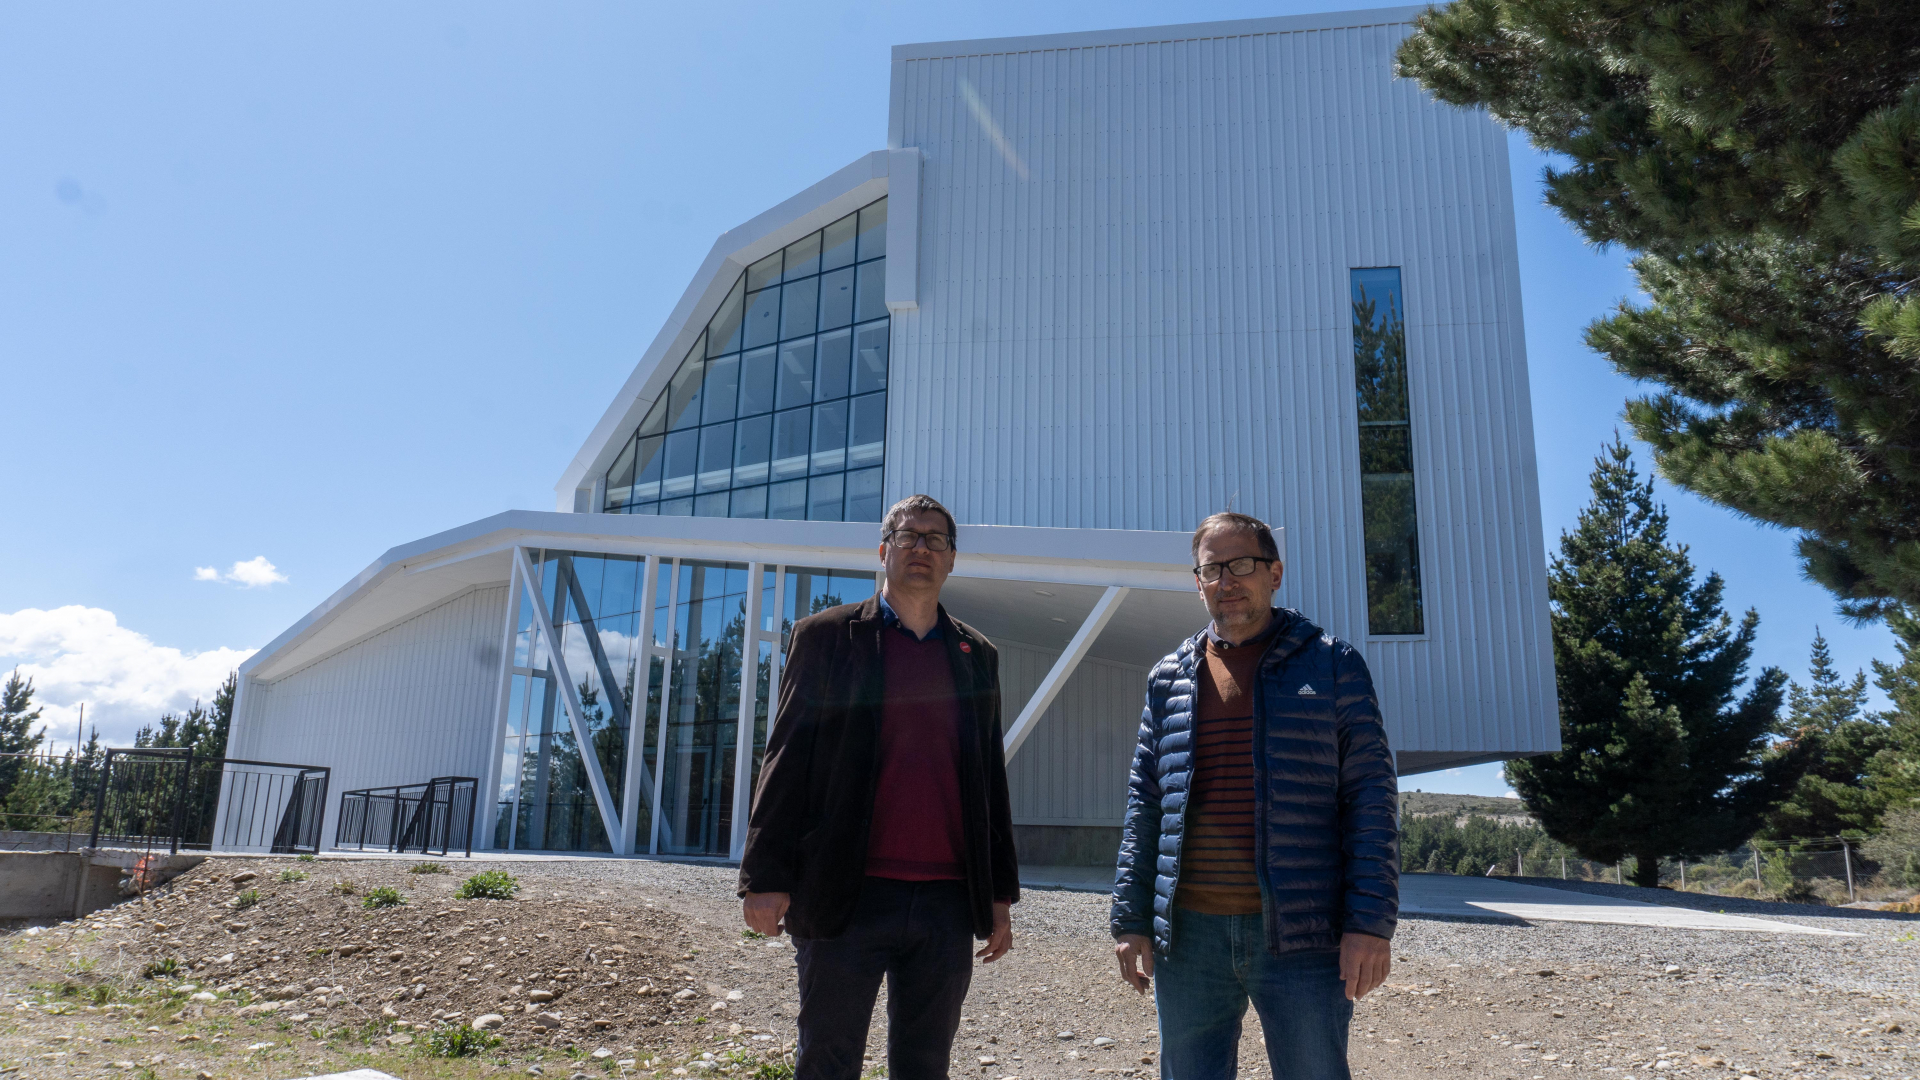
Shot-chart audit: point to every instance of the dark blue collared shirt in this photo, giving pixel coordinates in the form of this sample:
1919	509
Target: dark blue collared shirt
888	616
1264	635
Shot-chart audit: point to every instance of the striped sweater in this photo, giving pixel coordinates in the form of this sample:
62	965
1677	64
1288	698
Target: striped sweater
1217	858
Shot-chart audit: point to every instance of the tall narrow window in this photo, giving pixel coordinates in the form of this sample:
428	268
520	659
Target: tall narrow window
1386	453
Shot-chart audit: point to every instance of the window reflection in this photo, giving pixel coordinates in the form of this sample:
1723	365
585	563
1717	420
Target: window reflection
784	338
1387	505
696	809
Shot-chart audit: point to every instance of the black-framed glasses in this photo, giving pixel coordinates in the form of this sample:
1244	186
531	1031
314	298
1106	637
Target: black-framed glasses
907	540
1240	567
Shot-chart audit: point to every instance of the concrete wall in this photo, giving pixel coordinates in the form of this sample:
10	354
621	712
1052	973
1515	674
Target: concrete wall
50	885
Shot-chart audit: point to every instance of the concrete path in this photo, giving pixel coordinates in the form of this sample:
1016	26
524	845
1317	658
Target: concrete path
1450	896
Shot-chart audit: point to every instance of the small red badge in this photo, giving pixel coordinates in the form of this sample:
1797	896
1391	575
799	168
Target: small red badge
964	647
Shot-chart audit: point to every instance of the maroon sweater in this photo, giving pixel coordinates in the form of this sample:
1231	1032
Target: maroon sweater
916	833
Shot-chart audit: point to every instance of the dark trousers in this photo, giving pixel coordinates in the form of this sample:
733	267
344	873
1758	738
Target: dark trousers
919	936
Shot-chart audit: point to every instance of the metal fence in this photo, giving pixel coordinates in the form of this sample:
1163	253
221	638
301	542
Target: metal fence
1817	870
409	817
166	798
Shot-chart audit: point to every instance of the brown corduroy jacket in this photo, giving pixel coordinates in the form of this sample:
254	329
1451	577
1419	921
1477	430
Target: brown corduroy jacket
807	835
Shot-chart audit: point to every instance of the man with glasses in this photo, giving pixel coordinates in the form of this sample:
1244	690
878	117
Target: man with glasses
881	836
1260	857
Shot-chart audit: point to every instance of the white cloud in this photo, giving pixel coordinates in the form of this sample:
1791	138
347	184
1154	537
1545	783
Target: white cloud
79	654
253	573
1509	794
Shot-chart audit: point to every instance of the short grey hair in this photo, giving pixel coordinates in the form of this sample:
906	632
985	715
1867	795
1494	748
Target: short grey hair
898	514
1231	521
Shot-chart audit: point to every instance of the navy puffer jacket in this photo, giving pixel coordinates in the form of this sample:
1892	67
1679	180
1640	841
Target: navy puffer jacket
1328	850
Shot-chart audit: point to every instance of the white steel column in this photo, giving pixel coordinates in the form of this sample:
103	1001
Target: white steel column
778	637
633	790
1050	686
503	692
570	698
743	739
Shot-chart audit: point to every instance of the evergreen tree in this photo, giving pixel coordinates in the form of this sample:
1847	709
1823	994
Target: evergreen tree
1836	795
17	737
1658	757
1759	157
1896	769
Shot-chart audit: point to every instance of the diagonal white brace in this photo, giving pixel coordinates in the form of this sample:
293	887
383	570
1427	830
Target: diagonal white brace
570	696
1050	686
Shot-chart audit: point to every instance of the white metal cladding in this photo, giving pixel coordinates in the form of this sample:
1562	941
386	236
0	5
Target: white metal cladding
1073	771
409	703
1133	289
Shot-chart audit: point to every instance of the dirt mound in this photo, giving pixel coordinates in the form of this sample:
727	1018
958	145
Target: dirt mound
262	937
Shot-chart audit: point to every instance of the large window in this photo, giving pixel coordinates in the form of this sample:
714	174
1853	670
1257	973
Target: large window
1386	453
780	408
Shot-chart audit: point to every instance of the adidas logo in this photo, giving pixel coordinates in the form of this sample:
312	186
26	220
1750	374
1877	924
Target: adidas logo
1307	690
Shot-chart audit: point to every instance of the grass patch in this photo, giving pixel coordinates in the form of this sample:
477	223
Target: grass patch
460	1041
293	875
308	858
488	885
245	900
428	867
383	897
163	968
343	887
753	935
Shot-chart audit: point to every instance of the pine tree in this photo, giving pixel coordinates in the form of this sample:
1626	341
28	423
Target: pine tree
1658	757
17	737
1896	769
1836	795
1759	157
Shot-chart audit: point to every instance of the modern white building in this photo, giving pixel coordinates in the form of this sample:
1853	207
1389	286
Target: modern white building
1095	287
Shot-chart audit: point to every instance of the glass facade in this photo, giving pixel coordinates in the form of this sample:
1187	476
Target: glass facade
688	649
1387	505
780	408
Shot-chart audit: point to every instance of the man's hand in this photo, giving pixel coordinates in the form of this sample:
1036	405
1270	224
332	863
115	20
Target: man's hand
1365	961
764	910
1136	960
1002	939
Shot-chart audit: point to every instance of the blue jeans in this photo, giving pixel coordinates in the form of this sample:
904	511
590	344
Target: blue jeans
1219	963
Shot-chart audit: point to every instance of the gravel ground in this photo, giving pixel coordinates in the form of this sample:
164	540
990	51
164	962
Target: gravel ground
1466	999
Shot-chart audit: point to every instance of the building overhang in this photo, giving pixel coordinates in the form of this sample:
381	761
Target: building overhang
1034	585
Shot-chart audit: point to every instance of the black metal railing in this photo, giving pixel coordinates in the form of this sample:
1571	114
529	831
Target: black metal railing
409	817
155	798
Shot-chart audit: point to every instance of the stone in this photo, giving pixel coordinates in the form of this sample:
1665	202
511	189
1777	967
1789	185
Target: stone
736	995
601	1054
1103	1041
243	877
185	988
683	994
540	995
1671	969
1892	1029
300	1018
488	1021
389	1011
602	1023
399	1040
259	1046
535	1070
989	1061
205	995
1063	1035
717	1006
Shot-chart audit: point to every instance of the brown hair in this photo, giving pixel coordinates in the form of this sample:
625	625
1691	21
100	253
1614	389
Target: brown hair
919	504
1237	522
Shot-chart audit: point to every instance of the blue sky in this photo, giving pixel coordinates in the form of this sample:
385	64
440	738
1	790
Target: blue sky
296	283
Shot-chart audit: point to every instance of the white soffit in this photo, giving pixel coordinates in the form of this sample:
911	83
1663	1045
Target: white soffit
818	206
413	577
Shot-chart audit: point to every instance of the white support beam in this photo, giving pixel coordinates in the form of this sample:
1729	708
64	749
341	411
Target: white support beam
569	696
1063	668
631	843
743	738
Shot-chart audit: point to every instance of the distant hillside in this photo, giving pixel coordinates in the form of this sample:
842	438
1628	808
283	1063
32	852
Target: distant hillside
1431	803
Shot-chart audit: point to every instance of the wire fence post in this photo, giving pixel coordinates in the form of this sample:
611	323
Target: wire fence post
1563	868
1846	854
1756	866
1618	877
1683	875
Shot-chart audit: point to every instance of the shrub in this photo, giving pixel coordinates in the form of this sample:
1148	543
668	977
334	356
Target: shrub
426	868
293	875
460	1041
245	900
161	968
488	885
383	897
343	887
